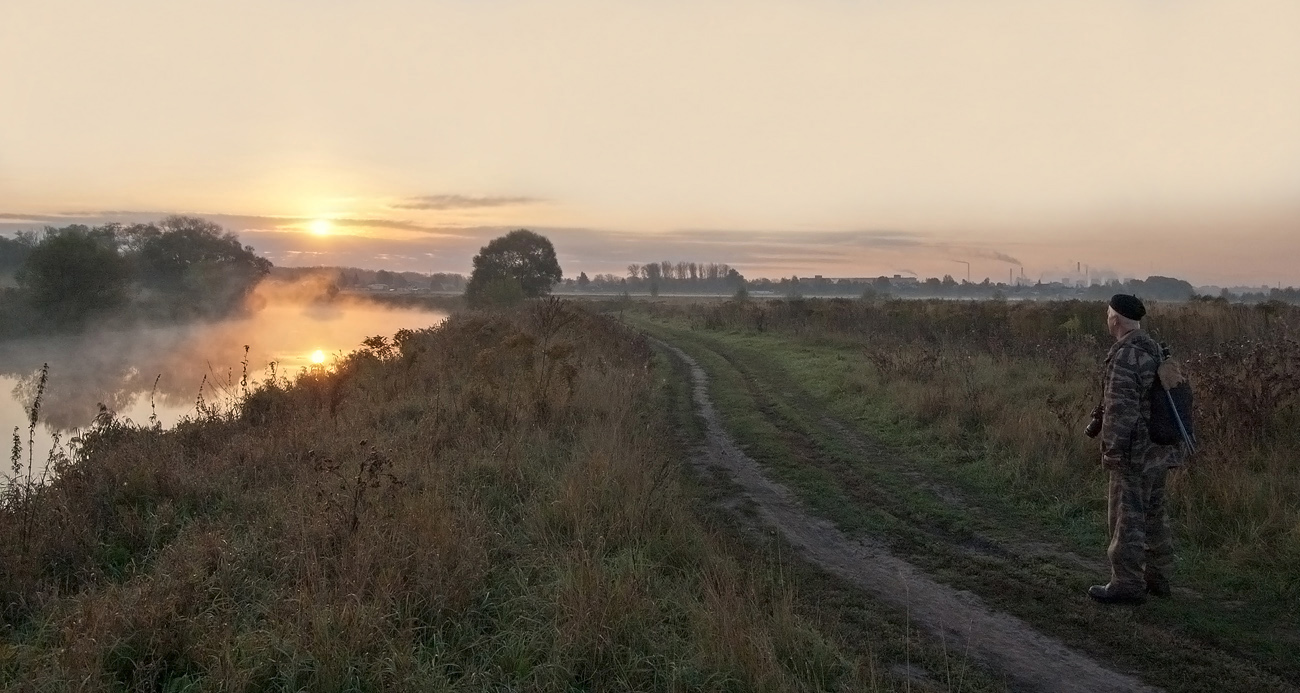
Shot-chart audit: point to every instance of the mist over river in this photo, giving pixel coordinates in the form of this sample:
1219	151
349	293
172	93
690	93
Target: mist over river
158	370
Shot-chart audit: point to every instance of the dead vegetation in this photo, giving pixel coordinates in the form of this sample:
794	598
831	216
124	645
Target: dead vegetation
489	504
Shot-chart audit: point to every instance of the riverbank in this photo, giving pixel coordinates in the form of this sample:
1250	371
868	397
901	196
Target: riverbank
494	503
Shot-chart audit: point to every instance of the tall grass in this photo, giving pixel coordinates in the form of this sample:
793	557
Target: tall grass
1014	382
490	504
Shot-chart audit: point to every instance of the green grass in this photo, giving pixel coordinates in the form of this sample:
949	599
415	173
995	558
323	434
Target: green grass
943	494
879	633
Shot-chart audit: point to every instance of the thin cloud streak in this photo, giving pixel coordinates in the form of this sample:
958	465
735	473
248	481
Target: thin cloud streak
861	239
455	202
232	222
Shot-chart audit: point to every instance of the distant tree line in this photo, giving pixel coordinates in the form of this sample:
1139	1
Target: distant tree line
723	280
358	279
666	276
1288	294
667	270
1155	287
180	268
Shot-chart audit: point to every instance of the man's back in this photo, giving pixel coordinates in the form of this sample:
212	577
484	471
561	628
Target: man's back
1130	373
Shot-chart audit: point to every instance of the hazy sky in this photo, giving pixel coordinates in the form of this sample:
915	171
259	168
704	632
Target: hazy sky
840	137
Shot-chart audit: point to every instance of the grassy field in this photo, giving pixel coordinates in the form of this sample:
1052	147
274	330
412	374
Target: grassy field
498	503
954	431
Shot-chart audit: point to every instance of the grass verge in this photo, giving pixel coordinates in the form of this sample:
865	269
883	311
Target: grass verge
816	412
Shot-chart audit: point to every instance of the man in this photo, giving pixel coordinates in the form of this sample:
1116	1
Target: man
1141	546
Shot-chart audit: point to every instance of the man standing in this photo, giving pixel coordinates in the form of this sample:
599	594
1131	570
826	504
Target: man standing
1141	546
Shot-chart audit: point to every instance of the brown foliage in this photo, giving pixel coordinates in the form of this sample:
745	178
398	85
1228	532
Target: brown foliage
492	503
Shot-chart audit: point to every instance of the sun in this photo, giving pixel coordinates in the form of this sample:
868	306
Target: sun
320	227
318	356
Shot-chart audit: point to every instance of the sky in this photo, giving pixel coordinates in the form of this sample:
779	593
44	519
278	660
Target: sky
834	137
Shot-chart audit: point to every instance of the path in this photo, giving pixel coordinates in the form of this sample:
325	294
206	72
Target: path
1029	659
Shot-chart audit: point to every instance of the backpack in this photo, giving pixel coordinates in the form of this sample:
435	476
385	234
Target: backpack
1171	405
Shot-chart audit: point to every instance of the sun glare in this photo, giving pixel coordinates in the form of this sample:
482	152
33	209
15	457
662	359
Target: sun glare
318	356
320	227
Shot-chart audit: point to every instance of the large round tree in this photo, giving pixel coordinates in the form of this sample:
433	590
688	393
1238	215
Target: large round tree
520	264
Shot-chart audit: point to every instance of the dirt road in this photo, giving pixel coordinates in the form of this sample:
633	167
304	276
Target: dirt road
1030	660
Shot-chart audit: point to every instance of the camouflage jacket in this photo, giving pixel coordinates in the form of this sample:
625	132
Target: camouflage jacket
1125	438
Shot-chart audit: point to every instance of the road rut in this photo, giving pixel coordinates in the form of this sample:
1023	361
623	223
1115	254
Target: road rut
1030	660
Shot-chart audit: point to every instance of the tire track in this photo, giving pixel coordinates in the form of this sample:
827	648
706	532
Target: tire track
1029	659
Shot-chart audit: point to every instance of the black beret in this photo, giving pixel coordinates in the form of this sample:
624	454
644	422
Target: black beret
1129	306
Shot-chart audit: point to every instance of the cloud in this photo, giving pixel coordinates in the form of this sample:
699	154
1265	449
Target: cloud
449	202
231	222
65	218
800	239
375	223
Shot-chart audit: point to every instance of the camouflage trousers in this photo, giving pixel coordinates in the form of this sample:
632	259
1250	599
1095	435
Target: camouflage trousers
1141	543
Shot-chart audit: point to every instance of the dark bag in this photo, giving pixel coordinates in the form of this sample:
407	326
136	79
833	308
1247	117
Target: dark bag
1171	405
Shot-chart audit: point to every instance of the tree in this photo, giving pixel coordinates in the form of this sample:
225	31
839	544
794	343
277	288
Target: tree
583	280
74	271
13	252
520	258
1163	288
196	263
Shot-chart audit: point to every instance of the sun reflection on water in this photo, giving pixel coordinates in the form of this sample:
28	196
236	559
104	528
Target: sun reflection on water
158	371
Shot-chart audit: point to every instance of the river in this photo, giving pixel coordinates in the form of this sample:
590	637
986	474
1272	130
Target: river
158	373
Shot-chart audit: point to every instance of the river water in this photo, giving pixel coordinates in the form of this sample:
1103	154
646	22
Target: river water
159	372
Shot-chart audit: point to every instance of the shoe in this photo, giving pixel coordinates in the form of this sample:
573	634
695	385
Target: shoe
1159	588
1108	595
